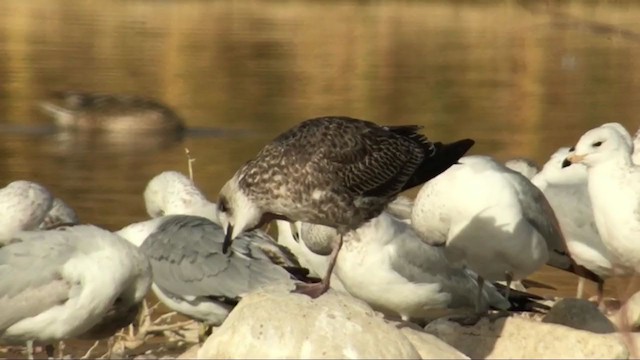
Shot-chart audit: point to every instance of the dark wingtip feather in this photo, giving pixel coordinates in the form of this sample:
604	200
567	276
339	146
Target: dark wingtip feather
522	301
301	274
439	158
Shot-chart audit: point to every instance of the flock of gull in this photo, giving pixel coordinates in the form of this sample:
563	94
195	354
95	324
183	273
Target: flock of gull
332	186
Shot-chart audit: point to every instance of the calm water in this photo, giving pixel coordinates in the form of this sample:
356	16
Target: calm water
522	78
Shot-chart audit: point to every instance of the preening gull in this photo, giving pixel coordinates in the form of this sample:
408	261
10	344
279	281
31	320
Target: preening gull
385	263
566	189
110	112
60	214
333	171
491	219
524	166
172	193
614	190
70	282
192	276
25	205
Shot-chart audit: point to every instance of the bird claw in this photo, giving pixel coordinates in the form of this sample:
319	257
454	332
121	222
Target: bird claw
311	290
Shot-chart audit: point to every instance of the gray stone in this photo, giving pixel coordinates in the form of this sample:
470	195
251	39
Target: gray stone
579	314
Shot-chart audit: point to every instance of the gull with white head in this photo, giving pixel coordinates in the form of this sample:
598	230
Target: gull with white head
172	193
566	189
25	204
333	171
614	190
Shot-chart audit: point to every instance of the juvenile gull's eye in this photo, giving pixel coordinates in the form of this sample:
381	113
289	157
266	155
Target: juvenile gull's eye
597	144
222	205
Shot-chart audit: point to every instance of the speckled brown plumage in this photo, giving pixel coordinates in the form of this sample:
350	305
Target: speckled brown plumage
341	172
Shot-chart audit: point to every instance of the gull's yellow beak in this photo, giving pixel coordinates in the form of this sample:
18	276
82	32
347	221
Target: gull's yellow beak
574	158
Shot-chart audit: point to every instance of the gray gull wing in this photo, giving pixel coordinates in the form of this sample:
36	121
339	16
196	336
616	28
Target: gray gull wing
187	259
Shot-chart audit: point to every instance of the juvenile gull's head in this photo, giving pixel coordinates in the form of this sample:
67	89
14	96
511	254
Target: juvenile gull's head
236	212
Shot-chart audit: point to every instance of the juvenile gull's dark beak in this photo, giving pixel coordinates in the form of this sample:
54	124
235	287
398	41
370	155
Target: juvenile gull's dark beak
227	239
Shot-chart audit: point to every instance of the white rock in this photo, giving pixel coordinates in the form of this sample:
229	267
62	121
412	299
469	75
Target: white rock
191	353
430	347
273	323
521	338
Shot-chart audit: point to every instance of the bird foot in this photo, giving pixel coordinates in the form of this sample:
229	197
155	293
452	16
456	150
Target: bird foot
311	290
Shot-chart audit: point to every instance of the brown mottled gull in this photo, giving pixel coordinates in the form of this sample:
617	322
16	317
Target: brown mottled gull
333	171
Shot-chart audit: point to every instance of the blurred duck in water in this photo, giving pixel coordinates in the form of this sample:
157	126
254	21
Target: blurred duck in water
85	111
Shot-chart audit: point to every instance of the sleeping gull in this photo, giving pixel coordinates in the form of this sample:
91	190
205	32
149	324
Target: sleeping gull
172	193
385	263
524	166
193	277
566	189
503	234
614	190
60	214
25	204
67	283
333	171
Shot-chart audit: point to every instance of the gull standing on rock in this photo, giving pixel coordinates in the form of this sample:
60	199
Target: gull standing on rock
333	171
79	281
567	191
172	193
192	276
614	190
25	205
491	219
